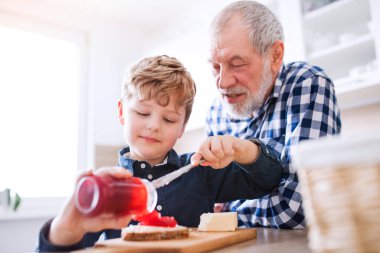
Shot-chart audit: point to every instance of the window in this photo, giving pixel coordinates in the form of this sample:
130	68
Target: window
40	89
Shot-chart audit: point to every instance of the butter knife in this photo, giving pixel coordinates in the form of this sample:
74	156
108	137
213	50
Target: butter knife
164	180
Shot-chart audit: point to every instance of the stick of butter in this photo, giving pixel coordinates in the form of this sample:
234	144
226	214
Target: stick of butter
218	222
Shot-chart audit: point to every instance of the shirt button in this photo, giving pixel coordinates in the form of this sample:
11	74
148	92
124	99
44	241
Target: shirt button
159	207
143	165
150	176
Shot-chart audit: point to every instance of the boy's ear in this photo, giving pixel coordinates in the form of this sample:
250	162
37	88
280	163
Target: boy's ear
182	130
120	110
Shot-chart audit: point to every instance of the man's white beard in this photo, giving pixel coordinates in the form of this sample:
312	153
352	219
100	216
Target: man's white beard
253	102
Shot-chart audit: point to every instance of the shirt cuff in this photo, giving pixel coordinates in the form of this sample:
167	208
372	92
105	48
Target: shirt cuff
267	169
44	245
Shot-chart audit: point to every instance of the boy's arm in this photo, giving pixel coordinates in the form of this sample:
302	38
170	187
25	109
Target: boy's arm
70	226
248	159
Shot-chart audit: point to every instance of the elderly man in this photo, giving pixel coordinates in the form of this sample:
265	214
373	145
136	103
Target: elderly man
262	99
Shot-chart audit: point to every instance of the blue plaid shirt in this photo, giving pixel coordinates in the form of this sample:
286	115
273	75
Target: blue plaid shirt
302	106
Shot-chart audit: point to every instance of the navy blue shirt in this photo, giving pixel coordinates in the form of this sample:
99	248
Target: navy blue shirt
193	193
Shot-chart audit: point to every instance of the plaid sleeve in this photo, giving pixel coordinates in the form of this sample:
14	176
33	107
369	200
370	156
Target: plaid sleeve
311	111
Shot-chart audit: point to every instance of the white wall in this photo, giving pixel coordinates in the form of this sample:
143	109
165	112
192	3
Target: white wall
363	120
19	235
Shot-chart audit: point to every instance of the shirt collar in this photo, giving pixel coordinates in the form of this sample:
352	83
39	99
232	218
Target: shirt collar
128	163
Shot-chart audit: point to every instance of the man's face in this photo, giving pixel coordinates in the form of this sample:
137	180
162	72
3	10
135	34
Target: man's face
150	129
243	76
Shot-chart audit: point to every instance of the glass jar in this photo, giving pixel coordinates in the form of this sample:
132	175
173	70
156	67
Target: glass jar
104	194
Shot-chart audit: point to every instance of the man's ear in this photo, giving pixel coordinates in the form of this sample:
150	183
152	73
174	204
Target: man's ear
120	110
276	56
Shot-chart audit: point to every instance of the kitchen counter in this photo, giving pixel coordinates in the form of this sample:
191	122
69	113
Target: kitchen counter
268	240
272	241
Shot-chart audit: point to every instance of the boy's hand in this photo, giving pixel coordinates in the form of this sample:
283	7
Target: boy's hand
219	151
70	225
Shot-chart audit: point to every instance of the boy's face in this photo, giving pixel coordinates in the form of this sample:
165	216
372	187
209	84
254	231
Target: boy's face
150	129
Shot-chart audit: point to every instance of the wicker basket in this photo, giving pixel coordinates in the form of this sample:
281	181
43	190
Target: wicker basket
340	186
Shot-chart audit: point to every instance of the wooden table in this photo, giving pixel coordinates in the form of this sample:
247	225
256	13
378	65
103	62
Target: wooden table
268	241
272	241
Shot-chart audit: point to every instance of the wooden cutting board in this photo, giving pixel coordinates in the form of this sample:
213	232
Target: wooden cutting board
197	242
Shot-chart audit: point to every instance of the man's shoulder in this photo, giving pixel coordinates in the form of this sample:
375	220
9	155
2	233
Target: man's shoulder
301	78
303	69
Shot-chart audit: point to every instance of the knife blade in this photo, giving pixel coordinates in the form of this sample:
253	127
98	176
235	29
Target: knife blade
164	180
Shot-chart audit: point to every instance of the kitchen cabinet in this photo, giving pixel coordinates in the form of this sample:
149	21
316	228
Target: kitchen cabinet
342	37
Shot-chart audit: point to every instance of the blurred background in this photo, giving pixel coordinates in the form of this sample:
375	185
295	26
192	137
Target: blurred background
62	63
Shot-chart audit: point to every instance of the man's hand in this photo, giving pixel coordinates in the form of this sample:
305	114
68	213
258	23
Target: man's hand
70	225
219	151
219	207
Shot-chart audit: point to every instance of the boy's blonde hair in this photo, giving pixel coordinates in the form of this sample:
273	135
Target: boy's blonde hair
159	77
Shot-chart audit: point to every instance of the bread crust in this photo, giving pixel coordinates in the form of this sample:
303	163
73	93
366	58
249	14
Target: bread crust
144	233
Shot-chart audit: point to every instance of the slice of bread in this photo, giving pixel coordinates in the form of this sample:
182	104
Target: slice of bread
153	233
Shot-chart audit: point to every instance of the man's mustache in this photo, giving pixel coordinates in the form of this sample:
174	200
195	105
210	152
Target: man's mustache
234	90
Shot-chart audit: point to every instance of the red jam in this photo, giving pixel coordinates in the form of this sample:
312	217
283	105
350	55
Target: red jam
155	219
104	194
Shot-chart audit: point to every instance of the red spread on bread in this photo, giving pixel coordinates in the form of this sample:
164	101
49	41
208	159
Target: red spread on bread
155	219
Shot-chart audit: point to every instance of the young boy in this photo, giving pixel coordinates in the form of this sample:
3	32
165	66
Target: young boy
155	107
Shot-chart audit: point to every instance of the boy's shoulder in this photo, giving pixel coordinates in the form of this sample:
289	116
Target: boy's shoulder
185	158
179	160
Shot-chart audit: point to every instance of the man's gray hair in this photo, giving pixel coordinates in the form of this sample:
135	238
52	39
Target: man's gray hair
264	28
